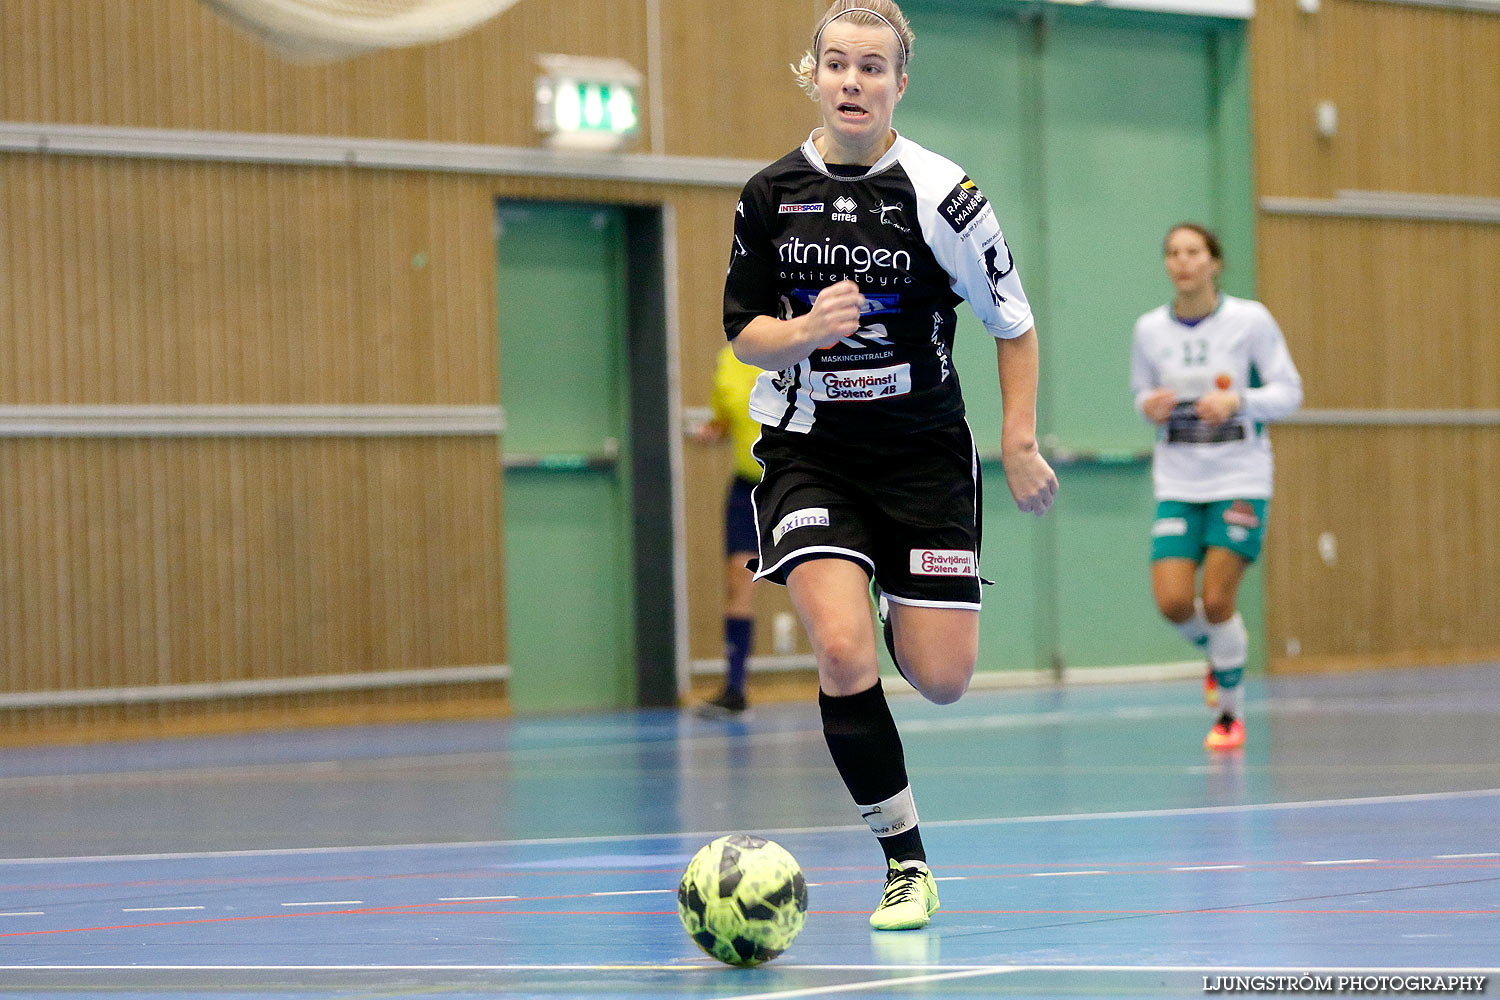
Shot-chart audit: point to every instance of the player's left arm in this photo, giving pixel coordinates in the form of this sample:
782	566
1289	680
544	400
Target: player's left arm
960	228
1030	478
1280	391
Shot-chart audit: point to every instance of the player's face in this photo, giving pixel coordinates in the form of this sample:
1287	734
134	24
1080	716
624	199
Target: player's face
858	88
1189	264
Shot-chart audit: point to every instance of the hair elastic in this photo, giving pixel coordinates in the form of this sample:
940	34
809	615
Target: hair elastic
818	38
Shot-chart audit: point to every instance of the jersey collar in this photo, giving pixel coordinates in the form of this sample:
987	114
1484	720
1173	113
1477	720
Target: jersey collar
886	161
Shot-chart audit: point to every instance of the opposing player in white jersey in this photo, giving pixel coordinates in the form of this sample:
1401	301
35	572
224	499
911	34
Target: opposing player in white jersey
1210	371
850	255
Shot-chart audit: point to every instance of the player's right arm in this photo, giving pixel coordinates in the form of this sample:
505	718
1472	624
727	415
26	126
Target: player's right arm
1157	404
1152	400
774	344
757	320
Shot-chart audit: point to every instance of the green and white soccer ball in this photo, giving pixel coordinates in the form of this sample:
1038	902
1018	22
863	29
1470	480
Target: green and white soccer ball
743	899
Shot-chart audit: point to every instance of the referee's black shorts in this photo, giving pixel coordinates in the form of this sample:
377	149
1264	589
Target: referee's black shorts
907	509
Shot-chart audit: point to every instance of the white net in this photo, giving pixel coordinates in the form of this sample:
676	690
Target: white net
325	30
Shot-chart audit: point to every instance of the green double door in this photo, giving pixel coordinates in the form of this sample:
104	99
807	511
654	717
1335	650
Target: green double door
564	389
1090	131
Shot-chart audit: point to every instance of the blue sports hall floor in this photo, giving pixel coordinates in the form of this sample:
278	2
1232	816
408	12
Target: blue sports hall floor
1085	844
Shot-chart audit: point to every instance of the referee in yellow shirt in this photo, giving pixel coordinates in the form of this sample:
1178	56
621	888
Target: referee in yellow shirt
733	380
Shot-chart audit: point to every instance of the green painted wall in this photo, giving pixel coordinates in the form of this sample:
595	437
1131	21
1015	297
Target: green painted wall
1091	131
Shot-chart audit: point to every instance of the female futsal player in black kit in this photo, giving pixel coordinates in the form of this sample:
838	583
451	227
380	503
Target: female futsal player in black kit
850	255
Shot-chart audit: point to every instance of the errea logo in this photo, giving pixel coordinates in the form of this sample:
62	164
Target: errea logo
844	209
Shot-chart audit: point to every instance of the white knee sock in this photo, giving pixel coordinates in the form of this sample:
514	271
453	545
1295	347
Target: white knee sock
1228	648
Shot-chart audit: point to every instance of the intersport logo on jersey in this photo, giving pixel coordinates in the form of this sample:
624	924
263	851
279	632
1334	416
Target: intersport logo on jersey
858	256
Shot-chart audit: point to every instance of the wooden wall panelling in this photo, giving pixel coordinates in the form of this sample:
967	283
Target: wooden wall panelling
728	80
177	65
233	284
145	561
145	282
1382	315
131	563
1416	91
1417	570
1387	313
216	580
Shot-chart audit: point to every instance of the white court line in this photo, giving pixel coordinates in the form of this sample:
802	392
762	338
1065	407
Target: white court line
697	968
1207	868
157	909
633	892
1482	854
330	902
25	913
877	984
675	836
1249	807
1095	871
1344	861
473	899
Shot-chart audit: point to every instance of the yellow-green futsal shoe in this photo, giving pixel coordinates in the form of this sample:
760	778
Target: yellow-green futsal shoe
909	900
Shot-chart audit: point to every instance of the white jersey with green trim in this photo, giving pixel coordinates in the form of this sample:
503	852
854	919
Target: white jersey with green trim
1240	347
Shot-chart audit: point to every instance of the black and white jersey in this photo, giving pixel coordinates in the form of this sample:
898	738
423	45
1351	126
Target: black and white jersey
918	237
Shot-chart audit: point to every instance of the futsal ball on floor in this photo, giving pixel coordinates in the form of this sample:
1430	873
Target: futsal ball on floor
743	899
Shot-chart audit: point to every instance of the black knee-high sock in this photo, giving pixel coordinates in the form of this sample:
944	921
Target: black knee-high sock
866	749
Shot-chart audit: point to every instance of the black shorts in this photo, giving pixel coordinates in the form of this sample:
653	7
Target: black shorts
906	509
739	517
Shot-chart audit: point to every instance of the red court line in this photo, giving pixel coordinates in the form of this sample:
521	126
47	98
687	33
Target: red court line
1128	868
1206	912
1000	871
315	879
424	909
162	923
397	909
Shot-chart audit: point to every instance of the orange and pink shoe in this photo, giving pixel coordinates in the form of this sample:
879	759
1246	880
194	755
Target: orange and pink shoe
1227	734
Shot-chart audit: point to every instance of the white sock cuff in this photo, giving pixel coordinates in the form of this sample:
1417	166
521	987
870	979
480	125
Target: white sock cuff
894	815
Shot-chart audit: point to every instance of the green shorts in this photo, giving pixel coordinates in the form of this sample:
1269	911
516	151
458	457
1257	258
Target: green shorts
1186	530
